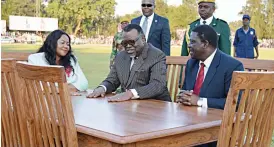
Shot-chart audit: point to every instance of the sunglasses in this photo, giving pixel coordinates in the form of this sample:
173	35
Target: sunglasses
147	5
125	43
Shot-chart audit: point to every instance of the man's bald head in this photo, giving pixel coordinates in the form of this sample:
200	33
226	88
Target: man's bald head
148	2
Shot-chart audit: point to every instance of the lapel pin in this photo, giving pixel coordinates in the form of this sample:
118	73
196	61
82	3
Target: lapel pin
156	20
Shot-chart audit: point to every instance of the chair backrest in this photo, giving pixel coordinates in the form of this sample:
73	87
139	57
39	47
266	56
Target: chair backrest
18	56
252	125
175	74
10	132
47	106
257	65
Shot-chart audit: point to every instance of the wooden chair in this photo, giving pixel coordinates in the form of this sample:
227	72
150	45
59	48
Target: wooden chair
47	106
257	65
175	71
19	56
10	132
252	125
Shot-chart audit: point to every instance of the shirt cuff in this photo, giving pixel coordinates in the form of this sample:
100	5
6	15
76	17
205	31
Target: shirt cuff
202	102
103	87
135	94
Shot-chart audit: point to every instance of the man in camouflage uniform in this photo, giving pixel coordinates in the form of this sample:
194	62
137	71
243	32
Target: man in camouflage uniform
116	43
206	10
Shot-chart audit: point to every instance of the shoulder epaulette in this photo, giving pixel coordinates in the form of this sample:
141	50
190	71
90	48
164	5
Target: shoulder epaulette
194	21
221	20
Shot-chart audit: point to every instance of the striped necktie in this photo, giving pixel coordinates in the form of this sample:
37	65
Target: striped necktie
144	26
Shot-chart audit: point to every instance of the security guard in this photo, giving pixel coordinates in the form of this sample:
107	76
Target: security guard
245	41
117	38
206	10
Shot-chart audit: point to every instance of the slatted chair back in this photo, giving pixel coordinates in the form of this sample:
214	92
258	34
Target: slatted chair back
175	74
257	65
252	125
10	132
47	106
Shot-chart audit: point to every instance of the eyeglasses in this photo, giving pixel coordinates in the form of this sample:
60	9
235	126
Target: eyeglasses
147	5
125	43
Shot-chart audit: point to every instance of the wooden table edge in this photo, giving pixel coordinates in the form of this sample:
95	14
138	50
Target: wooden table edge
147	136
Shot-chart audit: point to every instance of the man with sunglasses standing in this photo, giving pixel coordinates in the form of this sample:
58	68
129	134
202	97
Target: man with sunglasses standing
155	27
140	70
206	9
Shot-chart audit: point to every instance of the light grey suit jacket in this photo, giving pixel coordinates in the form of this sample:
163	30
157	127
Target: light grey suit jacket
147	76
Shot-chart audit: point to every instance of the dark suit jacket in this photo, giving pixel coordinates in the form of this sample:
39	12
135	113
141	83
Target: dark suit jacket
217	81
147	75
159	34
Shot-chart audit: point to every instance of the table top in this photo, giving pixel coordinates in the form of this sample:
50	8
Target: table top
138	120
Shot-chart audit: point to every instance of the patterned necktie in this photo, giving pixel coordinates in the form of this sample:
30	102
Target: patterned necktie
199	80
204	22
144	26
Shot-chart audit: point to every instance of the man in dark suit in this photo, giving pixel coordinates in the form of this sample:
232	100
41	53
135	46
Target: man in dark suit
209	72
155	27
140	70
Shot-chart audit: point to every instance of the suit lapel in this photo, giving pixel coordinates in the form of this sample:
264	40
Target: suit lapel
137	65
153	25
211	71
126	68
138	20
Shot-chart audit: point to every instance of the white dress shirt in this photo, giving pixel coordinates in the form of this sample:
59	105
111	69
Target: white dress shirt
77	79
203	101
246	31
208	21
133	91
150	19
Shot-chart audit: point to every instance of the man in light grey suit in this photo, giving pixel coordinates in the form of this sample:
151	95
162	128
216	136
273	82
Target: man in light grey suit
140	70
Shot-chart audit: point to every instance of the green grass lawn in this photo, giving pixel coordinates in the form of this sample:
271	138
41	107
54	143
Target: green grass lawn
94	59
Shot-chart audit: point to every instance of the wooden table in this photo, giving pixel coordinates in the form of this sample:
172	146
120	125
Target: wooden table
143	123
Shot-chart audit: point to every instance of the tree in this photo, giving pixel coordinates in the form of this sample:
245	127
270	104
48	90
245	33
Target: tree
175	18
180	16
235	25
7	8
17	7
191	3
161	8
269	28
82	16
129	17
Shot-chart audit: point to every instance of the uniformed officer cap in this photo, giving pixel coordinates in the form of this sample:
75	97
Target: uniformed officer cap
124	21
246	16
206	1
